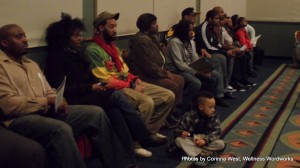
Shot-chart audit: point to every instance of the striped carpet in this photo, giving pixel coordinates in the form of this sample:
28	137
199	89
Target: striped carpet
263	131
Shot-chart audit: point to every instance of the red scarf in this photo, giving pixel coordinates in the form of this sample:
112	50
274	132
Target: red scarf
111	49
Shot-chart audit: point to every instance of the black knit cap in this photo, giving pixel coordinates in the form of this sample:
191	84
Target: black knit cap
189	11
144	21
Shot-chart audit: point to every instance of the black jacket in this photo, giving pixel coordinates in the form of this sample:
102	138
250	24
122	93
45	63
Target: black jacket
78	89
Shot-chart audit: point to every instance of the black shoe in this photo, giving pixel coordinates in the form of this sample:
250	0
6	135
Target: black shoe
240	87
229	95
153	141
252	74
248	83
221	102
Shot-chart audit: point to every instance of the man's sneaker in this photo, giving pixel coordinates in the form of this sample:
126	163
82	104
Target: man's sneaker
161	135
240	87
230	89
141	152
248	83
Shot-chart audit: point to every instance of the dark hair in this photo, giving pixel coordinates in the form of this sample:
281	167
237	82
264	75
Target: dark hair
144	21
59	33
203	95
234	19
211	14
239	21
182	30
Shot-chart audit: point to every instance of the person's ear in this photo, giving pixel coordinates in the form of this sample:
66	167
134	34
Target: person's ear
4	43
101	28
200	107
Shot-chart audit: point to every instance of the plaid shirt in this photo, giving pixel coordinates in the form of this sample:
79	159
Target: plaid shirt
196	123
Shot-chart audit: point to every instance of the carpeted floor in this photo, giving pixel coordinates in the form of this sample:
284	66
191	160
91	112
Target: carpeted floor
162	159
262	126
253	129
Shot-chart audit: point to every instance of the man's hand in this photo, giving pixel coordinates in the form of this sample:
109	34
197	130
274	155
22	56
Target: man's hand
199	142
96	87
139	88
51	101
63	108
204	53
185	134
238	51
231	53
170	75
138	81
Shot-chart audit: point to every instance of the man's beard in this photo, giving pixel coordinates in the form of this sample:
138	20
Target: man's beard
108	38
17	53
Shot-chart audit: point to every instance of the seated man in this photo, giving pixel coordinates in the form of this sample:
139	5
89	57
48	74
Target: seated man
188	14
147	59
65	60
27	100
199	131
206	37
153	102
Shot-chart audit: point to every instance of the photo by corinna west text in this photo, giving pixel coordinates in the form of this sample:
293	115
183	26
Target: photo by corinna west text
233	159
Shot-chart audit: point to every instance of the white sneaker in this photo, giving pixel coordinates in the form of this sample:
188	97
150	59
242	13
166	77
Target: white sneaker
230	89
160	135
141	152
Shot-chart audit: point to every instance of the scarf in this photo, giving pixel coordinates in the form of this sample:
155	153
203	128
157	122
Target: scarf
111	49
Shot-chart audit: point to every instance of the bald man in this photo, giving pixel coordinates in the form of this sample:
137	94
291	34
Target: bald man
219	10
27	102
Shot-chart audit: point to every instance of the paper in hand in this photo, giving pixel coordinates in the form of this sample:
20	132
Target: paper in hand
243	48
254	40
60	94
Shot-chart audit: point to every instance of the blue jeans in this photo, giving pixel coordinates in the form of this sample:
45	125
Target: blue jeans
130	117
57	137
191	88
219	63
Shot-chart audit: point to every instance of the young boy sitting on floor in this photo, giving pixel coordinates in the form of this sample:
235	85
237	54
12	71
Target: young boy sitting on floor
199	130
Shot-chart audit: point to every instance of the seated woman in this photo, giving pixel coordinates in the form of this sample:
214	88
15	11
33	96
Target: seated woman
147	59
64	43
181	49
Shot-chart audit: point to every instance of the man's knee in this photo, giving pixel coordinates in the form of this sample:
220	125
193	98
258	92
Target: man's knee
95	111
64	130
167	95
86	112
146	103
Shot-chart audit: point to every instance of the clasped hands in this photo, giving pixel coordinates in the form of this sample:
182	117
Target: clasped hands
198	141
